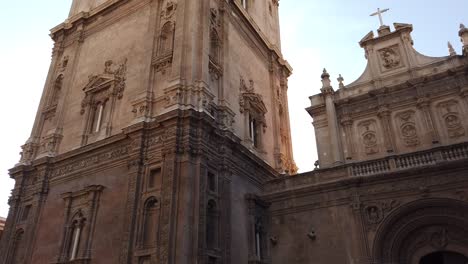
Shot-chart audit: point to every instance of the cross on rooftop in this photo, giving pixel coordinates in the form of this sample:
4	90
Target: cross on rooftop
379	13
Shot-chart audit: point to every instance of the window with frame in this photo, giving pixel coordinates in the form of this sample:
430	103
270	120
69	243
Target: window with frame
99	116
149	229
166	39
254	110
211	179
80	219
76	229
154	179
253	131
258	246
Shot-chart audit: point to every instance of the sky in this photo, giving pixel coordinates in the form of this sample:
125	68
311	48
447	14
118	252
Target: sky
315	35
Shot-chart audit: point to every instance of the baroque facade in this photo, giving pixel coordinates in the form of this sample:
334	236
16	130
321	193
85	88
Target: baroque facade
391	182
163	136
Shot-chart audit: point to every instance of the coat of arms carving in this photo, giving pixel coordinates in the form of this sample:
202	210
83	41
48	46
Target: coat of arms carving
390	57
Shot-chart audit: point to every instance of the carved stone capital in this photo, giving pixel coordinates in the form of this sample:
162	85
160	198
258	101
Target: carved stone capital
383	112
423	103
347	121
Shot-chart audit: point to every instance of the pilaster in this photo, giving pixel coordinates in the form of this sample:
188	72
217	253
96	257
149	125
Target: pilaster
384	115
424	105
347	123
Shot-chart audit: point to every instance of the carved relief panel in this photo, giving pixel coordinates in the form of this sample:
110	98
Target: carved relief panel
375	212
390	58
406	125
369	136
451	118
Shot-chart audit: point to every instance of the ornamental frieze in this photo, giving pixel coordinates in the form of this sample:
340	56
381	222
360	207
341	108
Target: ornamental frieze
90	161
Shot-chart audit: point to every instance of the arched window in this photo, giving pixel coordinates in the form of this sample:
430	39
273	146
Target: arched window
75	235
18	247
214	46
212	225
166	39
150	222
56	91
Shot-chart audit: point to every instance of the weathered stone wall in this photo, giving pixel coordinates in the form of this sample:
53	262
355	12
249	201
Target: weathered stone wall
343	221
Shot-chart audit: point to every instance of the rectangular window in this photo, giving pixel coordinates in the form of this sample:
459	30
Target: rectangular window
153	178
253	131
25	214
211	182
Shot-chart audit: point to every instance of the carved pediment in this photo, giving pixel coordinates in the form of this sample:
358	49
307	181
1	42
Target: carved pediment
251	101
97	82
110	83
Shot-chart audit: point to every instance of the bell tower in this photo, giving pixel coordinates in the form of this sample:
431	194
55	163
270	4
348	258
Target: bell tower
157	118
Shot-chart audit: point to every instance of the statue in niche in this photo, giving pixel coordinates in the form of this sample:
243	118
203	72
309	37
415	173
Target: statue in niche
454	126
373	214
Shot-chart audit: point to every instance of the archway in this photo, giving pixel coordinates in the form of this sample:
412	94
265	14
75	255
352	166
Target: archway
424	230
444	257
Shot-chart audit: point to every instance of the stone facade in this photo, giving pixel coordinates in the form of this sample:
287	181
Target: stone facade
391	180
163	137
153	126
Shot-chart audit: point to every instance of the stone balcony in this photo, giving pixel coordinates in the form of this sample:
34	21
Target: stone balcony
433	158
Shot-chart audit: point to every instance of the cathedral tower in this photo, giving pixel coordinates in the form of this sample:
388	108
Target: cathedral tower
157	118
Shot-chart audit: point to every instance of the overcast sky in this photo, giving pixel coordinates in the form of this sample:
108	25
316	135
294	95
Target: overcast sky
315	34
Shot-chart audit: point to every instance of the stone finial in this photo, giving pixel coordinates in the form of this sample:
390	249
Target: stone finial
325	74
463	33
341	80
452	51
326	83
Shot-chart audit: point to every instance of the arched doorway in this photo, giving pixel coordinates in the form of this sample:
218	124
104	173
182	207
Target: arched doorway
424	232
444	257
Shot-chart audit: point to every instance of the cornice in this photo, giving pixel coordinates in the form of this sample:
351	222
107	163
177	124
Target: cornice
252	26
349	183
84	17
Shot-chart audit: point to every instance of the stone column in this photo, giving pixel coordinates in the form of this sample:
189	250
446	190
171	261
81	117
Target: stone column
384	115
424	105
347	124
328	94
